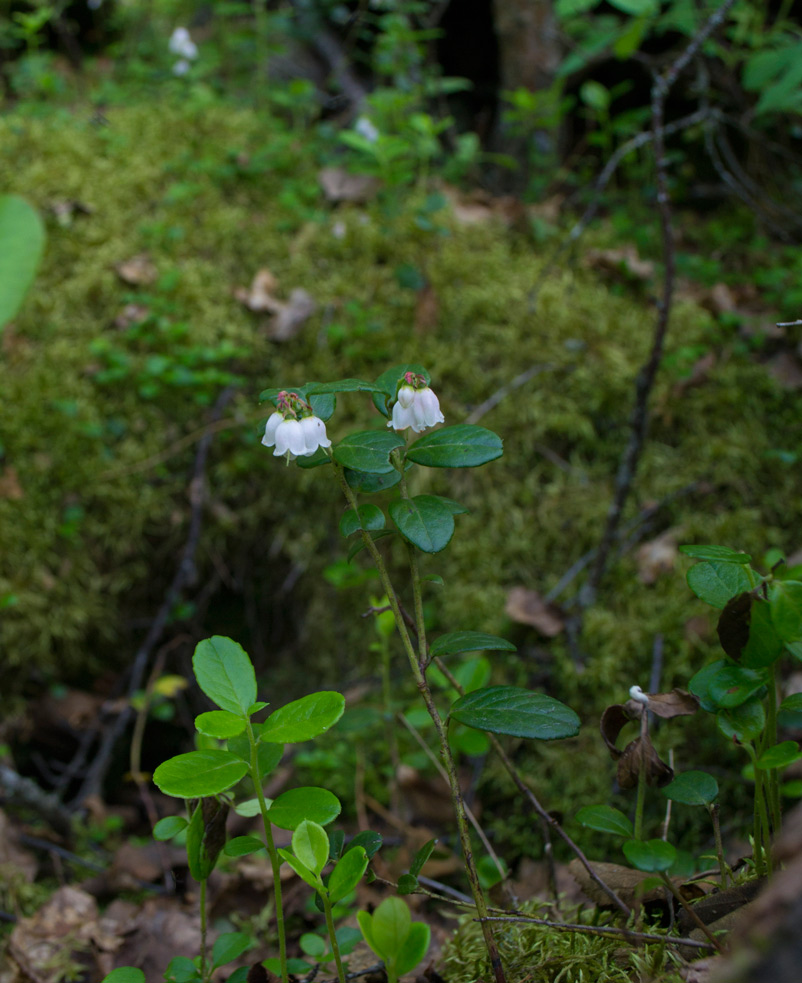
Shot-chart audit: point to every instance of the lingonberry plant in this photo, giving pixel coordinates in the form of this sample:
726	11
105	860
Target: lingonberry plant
363	463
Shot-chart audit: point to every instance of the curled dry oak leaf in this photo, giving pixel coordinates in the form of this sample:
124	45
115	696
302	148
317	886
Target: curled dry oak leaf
339	185
288	316
527	607
137	271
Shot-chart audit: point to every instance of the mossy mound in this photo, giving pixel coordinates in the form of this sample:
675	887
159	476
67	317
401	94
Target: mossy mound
107	413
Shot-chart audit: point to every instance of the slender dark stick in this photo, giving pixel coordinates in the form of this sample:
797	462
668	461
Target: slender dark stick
644	384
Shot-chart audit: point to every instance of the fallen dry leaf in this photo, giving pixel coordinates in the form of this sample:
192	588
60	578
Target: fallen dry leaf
137	271
527	607
291	317
657	557
10	488
130	315
339	185
259	296
617	261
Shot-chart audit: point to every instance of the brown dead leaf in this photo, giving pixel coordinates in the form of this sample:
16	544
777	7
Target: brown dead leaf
527	607
10	488
657	557
623	880
339	185
292	316
66	923
259	297
427	310
157	934
625	260
130	315
640	755
677	703
786	369
137	271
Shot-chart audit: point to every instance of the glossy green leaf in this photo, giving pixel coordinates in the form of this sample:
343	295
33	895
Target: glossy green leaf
301	870
693	788
744	722
310	844
342	386
22	240
225	674
421	857
469	641
303	719
293	806
462	446
474	673
651	856
413	949
716	581
220	724
765	645
517	712
731	686
368	451
466	740
170	826
370	484
243	846
779	756
313	946
368	517
637	8
424	521
199	773
230	946
407	884
125	974
181	969
347	874
605	819
785	599
369	840
268	755
723	553
700	684
789	714
256	707
391	924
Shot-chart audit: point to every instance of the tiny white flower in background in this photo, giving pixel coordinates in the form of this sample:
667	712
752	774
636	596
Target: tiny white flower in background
181	67
365	128
418	408
181	44
292	437
339	230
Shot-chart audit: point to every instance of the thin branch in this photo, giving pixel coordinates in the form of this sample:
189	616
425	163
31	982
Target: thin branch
24	791
492	401
183	575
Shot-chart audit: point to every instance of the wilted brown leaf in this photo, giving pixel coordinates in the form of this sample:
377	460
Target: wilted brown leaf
259	297
339	185
138	270
527	607
623	880
677	703
156	935
292	316
10	488
733	623
640	755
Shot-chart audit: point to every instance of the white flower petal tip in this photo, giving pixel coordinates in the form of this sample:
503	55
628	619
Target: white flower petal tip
637	694
314	431
416	408
295	438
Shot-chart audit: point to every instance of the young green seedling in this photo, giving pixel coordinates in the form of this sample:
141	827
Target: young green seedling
398	941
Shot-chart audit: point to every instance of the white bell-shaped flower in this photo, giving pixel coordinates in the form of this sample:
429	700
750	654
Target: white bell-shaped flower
416	408
314	431
295	438
181	44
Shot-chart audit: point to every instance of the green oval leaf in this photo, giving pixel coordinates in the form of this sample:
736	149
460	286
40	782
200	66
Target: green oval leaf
407	884
268	756
716	581
744	722
368	451
243	846
693	788
779	756
369	840
303	719
301	870
125	974
342	386
199	773
517	712
700	684
424	521
229	946
785	599
765	645
413	949
225	674
170	826
391	925
723	553
181	969
789	714
731	686
605	819
220	724
292	807
369	484
368	517
22	240
347	874
651	856
310	844
469	641
463	446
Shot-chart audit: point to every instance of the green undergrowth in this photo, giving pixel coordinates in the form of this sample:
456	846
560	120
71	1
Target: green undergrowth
542	954
105	418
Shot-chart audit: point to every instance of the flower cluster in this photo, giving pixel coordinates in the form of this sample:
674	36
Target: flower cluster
181	44
293	429
416	405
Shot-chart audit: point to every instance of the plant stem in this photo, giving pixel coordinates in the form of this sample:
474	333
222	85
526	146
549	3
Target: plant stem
335	948
762	836
770	740
440	728
689	908
275	860
722	863
641	799
203	927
